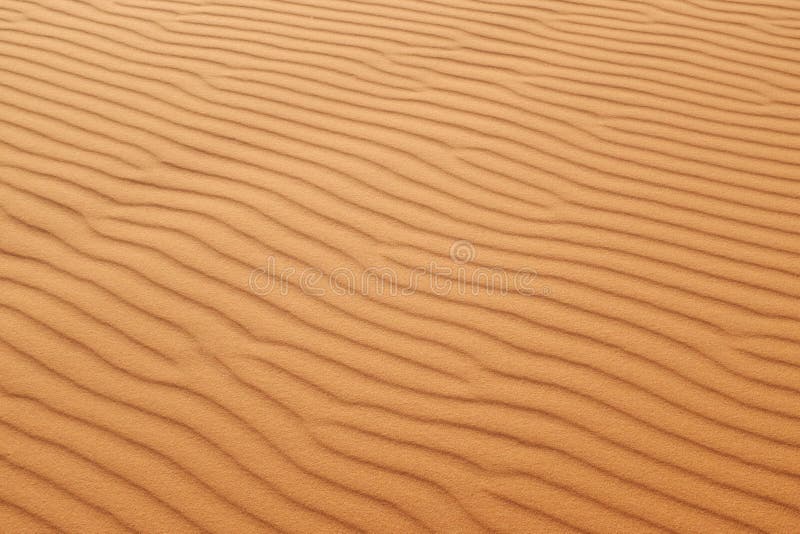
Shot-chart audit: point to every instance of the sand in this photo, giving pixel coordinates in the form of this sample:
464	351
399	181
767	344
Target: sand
399	266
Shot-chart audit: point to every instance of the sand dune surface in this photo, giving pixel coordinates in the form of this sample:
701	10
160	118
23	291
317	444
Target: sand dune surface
399	266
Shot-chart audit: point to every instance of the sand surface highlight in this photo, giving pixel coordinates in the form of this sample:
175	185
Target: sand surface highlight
412	266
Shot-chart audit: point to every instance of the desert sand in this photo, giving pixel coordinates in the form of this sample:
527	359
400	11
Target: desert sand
399	266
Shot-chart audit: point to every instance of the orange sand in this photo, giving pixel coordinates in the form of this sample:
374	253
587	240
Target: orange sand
641	156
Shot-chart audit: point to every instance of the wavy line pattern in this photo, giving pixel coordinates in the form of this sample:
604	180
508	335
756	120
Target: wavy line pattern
642	156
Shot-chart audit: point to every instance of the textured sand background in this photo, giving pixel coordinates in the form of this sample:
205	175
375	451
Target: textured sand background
640	155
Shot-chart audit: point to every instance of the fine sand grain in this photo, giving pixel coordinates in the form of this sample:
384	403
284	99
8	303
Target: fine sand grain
399	266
